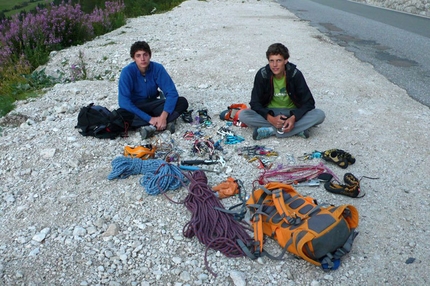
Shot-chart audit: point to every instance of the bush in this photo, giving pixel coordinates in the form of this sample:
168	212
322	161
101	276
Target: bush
34	35
27	38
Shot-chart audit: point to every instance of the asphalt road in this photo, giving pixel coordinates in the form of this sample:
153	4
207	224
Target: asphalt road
397	44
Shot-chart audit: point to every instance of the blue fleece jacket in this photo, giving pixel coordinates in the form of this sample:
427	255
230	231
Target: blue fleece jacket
134	87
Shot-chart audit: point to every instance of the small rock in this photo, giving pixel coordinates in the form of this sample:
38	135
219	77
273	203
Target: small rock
239	278
185	276
410	260
79	231
34	252
47	153
111	231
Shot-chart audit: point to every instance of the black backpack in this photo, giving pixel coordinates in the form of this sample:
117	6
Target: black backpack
100	122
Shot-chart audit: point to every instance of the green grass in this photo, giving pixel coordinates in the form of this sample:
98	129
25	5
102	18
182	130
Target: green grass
9	4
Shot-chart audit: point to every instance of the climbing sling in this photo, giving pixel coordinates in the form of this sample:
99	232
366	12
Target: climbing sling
320	235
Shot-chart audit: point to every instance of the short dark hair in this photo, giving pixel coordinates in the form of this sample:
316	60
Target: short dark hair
140	46
278	49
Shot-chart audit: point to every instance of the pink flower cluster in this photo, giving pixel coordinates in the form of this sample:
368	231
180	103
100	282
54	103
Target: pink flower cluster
36	34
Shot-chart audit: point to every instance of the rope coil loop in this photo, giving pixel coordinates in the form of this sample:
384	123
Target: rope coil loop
158	175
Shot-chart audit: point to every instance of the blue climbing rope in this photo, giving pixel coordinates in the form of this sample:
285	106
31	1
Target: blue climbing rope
158	175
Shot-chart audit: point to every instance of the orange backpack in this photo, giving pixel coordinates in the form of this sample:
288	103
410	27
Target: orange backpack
319	234
232	113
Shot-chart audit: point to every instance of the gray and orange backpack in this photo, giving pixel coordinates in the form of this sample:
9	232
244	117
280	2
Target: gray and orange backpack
319	234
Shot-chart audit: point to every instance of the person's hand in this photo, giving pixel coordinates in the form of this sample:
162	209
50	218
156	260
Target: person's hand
159	122
277	121
282	121
288	124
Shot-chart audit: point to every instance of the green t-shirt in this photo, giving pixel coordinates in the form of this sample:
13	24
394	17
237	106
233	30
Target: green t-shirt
280	98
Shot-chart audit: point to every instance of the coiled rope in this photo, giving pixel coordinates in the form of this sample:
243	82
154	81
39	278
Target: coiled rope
214	228
158	175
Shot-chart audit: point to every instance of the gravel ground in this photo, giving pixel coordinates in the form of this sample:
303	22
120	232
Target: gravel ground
64	223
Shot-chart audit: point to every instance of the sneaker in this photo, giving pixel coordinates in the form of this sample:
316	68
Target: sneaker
339	157
304	134
347	190
147	131
171	126
187	116
262	132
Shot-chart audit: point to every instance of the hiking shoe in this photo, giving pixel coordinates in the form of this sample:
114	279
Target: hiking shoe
339	157
347	190
304	134
171	126
187	116
262	132
142	152
147	131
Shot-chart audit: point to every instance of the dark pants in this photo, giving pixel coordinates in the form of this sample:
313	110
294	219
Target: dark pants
155	107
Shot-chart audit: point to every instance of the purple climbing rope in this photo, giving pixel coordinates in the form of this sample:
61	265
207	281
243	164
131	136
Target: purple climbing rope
214	228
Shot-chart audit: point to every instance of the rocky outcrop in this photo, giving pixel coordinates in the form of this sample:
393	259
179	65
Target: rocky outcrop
418	7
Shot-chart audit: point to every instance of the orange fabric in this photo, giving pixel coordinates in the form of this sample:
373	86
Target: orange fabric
227	188
237	107
292	217
141	152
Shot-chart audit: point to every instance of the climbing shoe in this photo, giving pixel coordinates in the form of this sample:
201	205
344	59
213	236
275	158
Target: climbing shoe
142	152
339	157
171	127
187	116
347	190
304	134
204	119
262	132
147	131
350	179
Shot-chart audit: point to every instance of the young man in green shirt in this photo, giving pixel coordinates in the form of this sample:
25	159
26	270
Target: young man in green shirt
281	103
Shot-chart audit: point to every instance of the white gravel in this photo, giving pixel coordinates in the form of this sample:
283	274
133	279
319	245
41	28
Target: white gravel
63	223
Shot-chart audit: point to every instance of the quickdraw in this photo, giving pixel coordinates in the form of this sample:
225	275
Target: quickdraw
310	156
203	146
293	174
233	139
263	163
256	150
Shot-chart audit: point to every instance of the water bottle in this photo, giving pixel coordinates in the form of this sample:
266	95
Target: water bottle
281	130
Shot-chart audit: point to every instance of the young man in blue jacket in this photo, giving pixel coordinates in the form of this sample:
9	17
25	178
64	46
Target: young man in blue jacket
281	103
147	90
